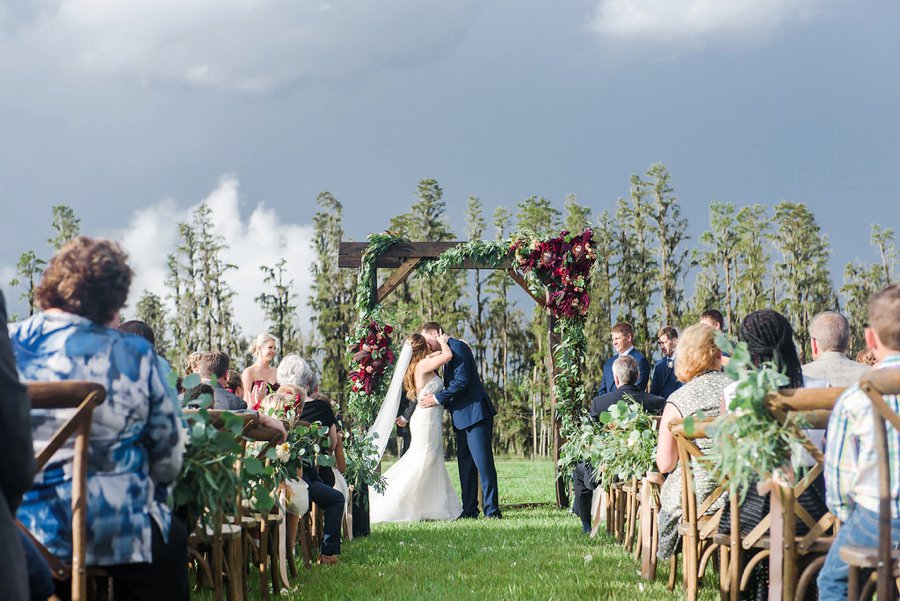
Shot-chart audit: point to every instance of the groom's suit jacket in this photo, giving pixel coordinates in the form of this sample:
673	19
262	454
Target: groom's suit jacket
463	394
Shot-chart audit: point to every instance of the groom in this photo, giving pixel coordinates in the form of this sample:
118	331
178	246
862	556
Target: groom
473	421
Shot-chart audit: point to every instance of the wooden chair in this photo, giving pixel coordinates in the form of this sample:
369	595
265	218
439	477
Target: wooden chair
697	529
82	398
884	560
649	532
795	560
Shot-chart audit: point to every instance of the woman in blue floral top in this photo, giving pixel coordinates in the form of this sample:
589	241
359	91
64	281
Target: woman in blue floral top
136	443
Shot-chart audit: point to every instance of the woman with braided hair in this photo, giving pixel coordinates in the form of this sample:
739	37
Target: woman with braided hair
770	339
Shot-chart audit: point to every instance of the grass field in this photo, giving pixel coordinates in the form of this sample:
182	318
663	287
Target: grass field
535	552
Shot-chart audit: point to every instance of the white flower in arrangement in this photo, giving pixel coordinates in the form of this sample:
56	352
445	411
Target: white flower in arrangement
283	452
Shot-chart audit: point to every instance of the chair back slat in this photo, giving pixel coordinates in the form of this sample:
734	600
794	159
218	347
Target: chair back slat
83	397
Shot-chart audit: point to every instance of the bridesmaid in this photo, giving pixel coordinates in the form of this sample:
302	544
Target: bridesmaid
260	378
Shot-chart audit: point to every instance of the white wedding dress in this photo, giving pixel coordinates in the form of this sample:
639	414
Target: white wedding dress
418	485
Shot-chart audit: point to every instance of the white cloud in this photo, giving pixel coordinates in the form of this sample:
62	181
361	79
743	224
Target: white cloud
238	44
263	238
694	22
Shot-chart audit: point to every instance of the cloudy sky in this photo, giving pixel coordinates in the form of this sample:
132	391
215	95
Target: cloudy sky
134	112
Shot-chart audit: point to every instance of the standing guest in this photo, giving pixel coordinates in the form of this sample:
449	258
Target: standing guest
829	334
136	444
625	375
699	366
712	317
663	383
212	368
623	342
851	461
293	376
261	374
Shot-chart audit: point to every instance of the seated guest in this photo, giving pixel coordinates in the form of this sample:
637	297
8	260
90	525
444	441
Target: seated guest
829	336
770	339
623	343
663	383
699	366
851	461
136	443
212	368
233	384
625	375
319	410
867	357
261	374
23	571
293	376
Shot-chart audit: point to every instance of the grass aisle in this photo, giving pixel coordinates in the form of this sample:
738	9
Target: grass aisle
533	553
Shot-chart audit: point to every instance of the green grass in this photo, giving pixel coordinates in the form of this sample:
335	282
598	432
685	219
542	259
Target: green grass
536	552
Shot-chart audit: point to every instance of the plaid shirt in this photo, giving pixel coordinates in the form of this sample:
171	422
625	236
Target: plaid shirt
851	461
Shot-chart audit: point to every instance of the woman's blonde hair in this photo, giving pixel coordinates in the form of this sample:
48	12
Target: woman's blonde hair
419	351
260	340
697	352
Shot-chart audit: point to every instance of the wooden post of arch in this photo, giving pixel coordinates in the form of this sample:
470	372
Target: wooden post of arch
404	257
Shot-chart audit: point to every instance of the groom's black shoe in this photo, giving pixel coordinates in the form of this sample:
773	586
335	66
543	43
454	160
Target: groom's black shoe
467	516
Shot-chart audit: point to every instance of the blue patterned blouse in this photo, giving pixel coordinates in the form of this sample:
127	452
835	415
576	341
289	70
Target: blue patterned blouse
136	444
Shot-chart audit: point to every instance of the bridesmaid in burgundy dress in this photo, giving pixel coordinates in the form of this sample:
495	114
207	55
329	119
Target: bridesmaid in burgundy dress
260	378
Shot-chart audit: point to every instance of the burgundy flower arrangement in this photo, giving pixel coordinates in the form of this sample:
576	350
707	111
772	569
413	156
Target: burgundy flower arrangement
562	264
372	355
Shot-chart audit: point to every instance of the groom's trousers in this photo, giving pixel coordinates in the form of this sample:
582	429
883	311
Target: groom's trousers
475	455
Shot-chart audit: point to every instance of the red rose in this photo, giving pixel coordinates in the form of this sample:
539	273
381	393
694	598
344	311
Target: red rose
388	329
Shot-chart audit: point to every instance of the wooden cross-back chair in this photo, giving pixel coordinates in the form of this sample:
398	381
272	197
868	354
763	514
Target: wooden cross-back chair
794	560
884	560
697	529
82	398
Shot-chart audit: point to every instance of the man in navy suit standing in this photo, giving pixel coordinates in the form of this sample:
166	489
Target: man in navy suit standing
473	421
623	342
663	383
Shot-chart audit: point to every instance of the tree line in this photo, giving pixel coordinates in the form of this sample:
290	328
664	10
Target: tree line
749	257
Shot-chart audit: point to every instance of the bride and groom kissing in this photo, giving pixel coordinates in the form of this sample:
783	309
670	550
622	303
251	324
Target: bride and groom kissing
418	485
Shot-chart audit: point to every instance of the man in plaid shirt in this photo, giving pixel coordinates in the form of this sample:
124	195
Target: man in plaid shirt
851	460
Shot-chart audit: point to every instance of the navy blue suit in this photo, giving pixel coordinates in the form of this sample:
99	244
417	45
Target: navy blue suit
473	421
607	384
664	381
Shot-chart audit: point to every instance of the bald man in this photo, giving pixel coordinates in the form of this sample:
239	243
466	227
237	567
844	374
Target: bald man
829	334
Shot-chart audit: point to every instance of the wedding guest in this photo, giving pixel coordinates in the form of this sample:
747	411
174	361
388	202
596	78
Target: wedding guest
699	366
625	375
136	444
663	382
714	318
212	368
261	374
139	328
851	461
233	384
23	572
293	375
770	339
318	409
623	343
867	357
829	335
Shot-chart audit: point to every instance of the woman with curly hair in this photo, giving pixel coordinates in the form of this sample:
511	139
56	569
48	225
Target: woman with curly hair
136	444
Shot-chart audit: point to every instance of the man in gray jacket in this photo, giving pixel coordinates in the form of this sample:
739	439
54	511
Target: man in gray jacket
829	334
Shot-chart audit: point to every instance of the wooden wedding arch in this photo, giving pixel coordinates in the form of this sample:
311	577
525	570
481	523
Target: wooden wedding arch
404	257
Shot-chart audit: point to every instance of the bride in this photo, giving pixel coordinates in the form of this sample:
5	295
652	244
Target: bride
418	486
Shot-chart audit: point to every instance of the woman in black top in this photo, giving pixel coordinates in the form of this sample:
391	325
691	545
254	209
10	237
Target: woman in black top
318	409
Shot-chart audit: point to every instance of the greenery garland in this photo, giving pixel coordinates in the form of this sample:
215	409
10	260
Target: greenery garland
490	254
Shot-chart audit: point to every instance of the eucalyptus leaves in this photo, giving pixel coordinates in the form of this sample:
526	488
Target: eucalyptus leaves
621	446
750	443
